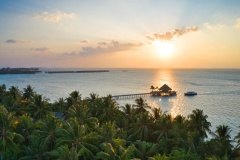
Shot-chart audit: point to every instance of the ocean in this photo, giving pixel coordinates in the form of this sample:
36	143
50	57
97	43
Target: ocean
218	89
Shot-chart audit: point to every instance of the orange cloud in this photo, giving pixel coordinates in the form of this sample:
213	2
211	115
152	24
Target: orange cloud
107	47
167	36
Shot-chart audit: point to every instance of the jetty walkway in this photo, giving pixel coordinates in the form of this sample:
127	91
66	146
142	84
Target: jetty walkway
83	71
127	96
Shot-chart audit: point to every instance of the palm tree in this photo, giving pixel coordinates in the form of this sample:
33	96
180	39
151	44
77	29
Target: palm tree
65	153
238	138
93	97
35	150
159	157
75	96
198	121
141	105
2	92
152	88
196	142
162	127
144	149
2	88
93	103
83	116
75	135
223	132
69	102
142	128
223	142
8	143
25	126
60	105
12	99
49	129
108	132
177	154
179	132
39	108
118	153
9	139
4	117
157	113
128	115
14	92
127	109
28	93
107	110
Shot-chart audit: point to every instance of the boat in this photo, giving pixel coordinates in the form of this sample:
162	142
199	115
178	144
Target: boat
190	93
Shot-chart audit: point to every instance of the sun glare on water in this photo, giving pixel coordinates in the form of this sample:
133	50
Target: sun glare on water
164	48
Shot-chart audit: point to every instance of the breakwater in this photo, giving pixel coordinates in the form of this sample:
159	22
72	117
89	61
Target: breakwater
36	70
82	71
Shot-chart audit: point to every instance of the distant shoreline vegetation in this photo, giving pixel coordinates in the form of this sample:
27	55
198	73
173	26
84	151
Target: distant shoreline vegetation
19	70
97	128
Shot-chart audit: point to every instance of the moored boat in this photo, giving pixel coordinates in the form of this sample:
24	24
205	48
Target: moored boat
190	93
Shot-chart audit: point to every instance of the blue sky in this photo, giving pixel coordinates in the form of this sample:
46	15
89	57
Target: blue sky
107	33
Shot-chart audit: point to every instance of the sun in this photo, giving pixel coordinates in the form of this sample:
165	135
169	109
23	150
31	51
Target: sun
164	48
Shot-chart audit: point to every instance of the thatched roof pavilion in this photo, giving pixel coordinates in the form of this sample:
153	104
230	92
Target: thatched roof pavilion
165	88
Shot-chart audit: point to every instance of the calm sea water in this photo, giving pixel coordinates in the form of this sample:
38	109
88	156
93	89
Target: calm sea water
218	90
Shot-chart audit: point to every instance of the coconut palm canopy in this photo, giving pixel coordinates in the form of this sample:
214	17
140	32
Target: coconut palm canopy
165	88
95	128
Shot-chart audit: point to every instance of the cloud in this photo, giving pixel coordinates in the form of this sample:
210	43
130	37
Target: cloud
237	25
107	47
41	49
14	41
213	27
84	41
172	34
54	17
102	43
69	54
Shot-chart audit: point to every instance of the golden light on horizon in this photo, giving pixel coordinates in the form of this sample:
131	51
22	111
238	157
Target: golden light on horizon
165	49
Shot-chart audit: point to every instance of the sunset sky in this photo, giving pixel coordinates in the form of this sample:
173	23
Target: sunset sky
120	33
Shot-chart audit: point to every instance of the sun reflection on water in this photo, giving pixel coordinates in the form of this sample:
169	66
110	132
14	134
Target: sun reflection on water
171	104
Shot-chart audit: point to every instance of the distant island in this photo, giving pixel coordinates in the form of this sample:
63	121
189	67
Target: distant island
19	70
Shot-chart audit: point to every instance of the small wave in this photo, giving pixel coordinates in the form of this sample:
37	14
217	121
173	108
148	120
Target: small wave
234	79
232	92
206	93
194	84
221	93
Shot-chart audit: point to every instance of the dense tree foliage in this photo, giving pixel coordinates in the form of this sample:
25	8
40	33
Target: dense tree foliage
96	127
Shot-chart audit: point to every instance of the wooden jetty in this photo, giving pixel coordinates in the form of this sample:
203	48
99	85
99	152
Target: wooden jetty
83	71
127	96
164	91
